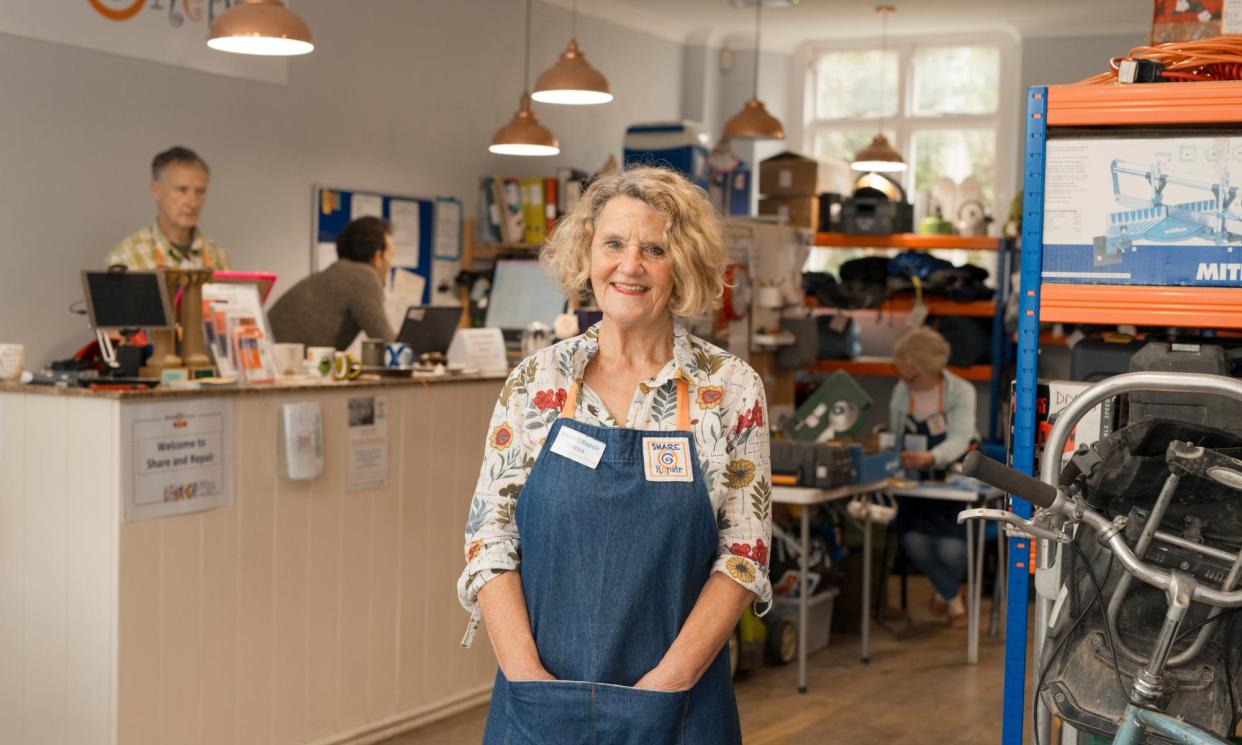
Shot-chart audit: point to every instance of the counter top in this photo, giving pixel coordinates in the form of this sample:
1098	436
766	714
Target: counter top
281	386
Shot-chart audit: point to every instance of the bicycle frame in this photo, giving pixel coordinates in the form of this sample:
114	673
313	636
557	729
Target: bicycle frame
1180	588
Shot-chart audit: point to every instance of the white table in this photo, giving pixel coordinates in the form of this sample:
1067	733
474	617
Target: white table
807	497
968	492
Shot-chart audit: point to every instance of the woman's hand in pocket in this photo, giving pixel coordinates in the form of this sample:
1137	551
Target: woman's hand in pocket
531	674
660	678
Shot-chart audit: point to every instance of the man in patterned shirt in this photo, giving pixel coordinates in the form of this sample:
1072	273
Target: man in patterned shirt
179	186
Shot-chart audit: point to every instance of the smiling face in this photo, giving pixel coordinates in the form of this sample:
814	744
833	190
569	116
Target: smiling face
631	274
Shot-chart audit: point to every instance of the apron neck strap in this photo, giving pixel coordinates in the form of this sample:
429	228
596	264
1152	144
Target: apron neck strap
683	404
571	403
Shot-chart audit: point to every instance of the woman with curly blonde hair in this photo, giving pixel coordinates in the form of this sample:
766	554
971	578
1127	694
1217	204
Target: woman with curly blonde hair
622	518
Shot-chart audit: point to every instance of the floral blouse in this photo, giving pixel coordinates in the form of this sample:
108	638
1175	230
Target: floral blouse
728	415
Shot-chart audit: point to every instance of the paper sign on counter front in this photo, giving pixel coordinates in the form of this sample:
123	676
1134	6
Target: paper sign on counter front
367	459
175	457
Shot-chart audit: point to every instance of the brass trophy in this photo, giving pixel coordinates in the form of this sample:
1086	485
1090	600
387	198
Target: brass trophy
185	288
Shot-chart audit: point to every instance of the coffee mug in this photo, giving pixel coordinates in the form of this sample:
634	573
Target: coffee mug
398	355
319	361
289	358
345	367
11	359
373	353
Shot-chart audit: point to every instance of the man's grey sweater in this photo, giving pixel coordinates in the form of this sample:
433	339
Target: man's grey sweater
329	308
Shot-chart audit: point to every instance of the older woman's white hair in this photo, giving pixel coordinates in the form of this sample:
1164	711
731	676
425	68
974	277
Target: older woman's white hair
922	350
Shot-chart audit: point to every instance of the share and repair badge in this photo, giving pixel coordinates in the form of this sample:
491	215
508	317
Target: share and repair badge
667	459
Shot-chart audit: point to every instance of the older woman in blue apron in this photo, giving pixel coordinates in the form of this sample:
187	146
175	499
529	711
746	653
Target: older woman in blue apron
933	413
621	521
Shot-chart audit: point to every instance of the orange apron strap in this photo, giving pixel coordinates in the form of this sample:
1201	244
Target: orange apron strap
683	406
571	403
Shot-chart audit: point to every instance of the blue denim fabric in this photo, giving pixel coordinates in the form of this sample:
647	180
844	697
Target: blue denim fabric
607	594
941	558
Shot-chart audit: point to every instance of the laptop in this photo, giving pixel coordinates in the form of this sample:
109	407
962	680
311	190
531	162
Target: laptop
429	328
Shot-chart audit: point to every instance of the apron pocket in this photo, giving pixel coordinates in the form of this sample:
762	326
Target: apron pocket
558	712
636	716
540	712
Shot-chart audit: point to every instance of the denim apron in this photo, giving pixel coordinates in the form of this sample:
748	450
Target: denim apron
936	517
612	564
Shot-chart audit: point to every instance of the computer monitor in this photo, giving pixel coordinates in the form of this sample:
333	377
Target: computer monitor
127	300
521	294
429	328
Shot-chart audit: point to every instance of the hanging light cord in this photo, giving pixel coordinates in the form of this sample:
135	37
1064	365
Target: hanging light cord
526	74
884	10
758	22
573	24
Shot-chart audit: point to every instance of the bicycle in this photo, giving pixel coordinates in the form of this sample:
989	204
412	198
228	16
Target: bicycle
1060	511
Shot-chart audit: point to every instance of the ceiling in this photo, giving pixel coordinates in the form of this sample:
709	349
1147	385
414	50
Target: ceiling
784	29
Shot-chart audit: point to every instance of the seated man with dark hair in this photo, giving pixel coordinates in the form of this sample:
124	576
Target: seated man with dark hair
179	181
329	308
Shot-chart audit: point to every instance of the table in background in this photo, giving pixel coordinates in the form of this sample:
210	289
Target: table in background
970	493
807	497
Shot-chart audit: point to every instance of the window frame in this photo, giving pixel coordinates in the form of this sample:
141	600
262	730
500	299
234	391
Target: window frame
1005	121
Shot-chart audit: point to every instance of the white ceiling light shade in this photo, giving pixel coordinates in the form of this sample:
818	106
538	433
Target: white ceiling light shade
754	122
261	27
572	81
879	155
524	135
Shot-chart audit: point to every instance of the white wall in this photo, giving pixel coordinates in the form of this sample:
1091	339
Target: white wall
1056	61
400	95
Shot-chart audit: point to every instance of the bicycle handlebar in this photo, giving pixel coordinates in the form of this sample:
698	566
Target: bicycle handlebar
1111	533
979	466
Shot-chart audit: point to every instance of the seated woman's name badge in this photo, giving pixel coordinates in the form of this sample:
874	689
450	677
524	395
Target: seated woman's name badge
578	447
936	425
667	459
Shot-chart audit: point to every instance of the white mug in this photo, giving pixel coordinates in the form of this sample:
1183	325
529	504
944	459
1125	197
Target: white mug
319	361
11	359
289	358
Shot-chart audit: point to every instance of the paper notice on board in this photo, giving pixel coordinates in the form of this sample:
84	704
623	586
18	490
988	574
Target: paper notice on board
367	460
448	230
403	215
325	255
366	205
175	457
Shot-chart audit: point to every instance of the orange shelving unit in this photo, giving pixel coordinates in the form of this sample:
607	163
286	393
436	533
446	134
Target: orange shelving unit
1197	307
883	367
909	241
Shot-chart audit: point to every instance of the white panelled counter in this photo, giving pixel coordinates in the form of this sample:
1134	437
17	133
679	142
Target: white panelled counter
299	612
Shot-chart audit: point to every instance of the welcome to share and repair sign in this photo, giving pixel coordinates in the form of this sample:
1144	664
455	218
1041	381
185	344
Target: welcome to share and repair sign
172	32
175	457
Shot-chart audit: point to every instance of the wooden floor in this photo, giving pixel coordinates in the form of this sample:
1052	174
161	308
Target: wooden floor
917	689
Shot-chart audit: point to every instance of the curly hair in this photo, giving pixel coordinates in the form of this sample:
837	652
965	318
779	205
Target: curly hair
922	349
693	236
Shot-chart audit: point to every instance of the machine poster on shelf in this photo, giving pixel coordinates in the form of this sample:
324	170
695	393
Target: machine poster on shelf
1143	211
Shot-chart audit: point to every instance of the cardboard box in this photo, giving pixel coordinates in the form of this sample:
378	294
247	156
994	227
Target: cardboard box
802	212
790	174
1105	223
1193	20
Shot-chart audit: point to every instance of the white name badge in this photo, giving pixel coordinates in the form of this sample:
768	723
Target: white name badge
936	425
578	447
667	459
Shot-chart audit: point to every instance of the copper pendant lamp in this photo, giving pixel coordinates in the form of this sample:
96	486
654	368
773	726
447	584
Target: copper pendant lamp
879	155
261	27
572	81
524	135
753	121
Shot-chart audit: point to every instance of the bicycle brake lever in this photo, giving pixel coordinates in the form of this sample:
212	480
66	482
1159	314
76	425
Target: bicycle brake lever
1017	524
